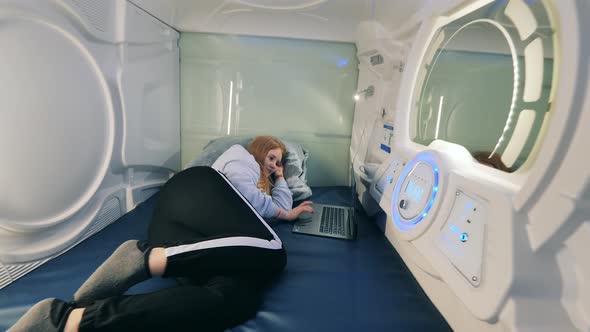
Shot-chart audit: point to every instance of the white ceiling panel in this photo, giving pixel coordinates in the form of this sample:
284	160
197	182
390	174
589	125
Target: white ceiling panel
334	20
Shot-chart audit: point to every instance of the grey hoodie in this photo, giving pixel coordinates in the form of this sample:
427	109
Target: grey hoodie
242	170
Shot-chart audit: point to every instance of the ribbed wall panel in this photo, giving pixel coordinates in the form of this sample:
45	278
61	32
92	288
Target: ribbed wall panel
4	276
110	212
18	270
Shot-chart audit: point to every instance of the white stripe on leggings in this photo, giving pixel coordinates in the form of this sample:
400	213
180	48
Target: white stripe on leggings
224	242
231	241
276	237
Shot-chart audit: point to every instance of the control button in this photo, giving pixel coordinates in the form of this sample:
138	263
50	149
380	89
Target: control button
464	237
403	204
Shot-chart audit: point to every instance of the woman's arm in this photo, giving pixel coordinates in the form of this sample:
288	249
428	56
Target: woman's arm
294	213
276	206
245	178
285	211
243	172
280	192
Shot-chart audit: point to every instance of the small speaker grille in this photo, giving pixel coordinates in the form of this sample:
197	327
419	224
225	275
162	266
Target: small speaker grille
98	13
376	59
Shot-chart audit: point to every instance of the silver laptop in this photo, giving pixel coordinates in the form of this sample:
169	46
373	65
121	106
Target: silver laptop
328	220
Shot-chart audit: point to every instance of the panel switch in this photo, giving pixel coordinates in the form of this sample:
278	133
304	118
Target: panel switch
403	204
464	237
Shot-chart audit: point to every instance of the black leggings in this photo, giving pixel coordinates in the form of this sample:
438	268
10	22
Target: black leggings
216	241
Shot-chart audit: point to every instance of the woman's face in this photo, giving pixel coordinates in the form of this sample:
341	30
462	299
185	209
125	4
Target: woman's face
272	160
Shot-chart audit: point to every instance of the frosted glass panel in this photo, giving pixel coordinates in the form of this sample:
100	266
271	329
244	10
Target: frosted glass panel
298	90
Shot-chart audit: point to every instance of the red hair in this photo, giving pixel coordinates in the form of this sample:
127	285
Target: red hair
259	148
494	160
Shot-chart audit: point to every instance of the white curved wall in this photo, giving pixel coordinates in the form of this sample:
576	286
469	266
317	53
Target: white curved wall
90	123
42	108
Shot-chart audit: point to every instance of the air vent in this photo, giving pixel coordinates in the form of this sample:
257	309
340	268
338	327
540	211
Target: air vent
376	59
17	270
4	277
110	212
98	13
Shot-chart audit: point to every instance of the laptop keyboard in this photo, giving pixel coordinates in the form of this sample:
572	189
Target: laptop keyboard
332	221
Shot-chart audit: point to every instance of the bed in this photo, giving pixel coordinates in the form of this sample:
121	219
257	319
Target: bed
328	285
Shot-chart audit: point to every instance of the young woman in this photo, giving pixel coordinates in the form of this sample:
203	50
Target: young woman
257	173
207	228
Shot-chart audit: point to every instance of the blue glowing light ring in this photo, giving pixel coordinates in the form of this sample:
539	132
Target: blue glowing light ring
404	225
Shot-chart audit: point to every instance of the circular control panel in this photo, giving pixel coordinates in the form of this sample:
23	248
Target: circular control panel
415	191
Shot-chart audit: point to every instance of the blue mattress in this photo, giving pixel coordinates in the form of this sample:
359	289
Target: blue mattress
328	285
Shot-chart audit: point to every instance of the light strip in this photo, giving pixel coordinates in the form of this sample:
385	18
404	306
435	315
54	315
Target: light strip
318	17
229	109
286	7
233	11
442	98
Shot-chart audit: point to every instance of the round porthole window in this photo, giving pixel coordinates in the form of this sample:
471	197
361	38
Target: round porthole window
486	82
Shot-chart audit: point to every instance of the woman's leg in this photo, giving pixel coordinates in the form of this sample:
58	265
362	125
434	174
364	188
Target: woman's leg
157	262
209	228
221	303
74	320
127	266
203	229
206	227
47	315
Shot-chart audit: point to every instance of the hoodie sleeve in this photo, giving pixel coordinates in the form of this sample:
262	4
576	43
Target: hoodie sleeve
282	195
243	172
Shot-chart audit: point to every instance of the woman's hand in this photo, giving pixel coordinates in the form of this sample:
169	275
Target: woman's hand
295	212
279	171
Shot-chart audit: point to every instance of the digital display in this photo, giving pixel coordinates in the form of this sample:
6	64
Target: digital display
414	191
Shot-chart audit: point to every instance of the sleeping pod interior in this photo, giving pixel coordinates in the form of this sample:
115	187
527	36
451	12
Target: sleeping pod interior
454	128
